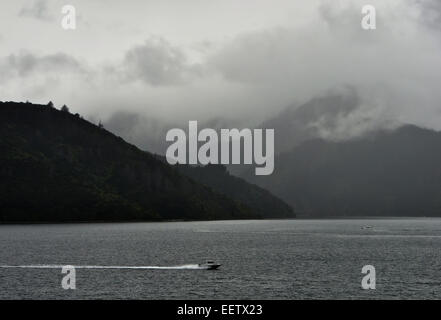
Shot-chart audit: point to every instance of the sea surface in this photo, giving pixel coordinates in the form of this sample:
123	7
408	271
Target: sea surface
272	259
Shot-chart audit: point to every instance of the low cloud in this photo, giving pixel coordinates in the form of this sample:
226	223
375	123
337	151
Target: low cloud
145	132
40	78
157	63
38	9
253	75
26	64
392	67
430	13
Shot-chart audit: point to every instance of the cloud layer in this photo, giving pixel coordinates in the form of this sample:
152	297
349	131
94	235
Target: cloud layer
248	76
37	9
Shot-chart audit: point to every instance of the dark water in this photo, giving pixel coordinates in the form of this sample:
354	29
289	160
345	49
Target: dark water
294	259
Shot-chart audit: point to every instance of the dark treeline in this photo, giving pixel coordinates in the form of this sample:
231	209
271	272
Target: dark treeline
56	166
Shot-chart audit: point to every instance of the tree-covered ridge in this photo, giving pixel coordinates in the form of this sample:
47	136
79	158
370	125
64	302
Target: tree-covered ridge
257	198
56	166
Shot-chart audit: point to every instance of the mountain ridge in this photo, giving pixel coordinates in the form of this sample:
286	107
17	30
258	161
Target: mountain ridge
393	172
58	167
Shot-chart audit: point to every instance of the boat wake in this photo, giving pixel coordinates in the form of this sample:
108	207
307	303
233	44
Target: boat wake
56	266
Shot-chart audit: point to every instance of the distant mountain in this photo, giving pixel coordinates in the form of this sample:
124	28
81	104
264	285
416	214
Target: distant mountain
335	116
385	173
55	166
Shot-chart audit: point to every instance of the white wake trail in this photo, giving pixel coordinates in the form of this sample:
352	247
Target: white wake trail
56	266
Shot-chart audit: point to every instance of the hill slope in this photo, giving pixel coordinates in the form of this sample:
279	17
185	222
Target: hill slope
220	180
55	166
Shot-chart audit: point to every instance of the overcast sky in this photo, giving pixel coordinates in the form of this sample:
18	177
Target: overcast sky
243	59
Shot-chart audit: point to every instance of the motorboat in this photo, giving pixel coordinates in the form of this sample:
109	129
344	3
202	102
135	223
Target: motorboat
209	265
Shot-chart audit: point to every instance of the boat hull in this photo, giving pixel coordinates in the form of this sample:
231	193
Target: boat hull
213	267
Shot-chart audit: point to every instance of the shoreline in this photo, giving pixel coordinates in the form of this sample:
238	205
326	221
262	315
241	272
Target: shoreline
230	220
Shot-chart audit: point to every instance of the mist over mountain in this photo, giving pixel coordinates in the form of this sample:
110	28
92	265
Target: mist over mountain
335	115
337	156
332	159
384	173
148	133
56	166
